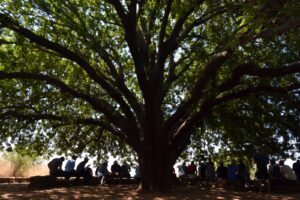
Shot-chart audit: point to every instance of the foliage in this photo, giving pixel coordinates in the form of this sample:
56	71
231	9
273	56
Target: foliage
149	77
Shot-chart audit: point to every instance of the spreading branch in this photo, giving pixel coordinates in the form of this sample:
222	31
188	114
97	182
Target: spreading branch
208	74
97	104
252	70
39	40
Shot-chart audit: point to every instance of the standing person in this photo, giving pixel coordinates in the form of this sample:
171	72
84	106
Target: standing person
55	166
261	161
210	170
296	168
192	173
242	171
221	171
202	167
70	167
232	169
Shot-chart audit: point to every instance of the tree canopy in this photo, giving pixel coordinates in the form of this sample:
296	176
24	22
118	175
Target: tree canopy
149	76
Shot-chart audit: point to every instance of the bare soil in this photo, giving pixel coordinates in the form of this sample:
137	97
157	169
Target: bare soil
128	192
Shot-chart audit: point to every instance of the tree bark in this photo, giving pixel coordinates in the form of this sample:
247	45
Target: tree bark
156	170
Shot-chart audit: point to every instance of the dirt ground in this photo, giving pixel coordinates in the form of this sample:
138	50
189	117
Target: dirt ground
127	192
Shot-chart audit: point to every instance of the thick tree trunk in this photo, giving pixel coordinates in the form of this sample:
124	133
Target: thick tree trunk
156	170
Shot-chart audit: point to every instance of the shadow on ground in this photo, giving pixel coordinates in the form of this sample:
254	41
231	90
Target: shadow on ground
109	192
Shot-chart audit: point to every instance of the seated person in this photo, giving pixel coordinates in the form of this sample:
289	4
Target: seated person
82	170
137	174
287	172
274	170
125	170
102	171
296	168
55	167
70	167
116	169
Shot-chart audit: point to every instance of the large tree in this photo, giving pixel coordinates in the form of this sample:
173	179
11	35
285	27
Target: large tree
149	73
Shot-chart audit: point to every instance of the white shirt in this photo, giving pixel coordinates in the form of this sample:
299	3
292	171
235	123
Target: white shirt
288	173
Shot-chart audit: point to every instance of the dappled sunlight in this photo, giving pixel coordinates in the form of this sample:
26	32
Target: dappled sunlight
128	192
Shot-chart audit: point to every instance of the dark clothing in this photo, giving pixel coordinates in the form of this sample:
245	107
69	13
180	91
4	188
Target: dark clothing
296	168
81	166
274	171
203	166
102	170
82	171
125	170
55	167
261	161
222	172
242	172
210	171
232	172
116	169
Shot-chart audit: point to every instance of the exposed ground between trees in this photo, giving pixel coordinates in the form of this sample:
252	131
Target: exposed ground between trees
22	191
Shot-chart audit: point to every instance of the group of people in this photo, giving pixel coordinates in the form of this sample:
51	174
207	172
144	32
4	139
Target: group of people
275	170
116	171
207	171
82	169
265	170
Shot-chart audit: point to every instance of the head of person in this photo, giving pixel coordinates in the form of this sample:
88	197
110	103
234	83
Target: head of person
86	159
257	149
272	161
62	158
232	162
281	162
74	157
221	163
115	162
